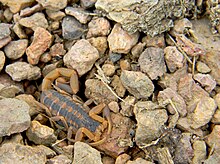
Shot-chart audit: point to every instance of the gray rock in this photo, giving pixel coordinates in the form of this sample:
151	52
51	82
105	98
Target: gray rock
14	117
59	159
137	83
4	30
87	3
47	151
79	13
22	70
71	28
2	60
83	153
152	62
114	57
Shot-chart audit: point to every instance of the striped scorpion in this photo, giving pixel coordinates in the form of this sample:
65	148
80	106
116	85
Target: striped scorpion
76	117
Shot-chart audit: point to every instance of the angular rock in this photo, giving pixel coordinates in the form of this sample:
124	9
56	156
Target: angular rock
22	70
17	28
108	69
139	161
83	153
47	151
113	106
202	67
16	49
100	43
200	153
5	41
181	26
155	41
213	138
87	3
118	86
55	15
137	83
152	62
40	134
57	50
53	4
34	21
120	41
59	159
127	106
41	42
79	13
30	10
14	117
17	153
81	57
2	60
125	65
123	158
4	30
137	50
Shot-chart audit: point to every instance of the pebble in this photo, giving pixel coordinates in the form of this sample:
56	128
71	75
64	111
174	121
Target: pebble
41	134
30	10
71	28
16	7
137	50
155	41
41	42
174	59
4	30
81	57
122	159
87	3
45	57
100	43
34	21
200	153
127	106
14	117
120	41
108	69
55	15
149	123
98	27
216	116
53	4
17	28
139	161
125	65
118	86
83	153
8	15
57	50
79	13
16	49
108	160
47	151
22	70
113	106
2	60
114	57
202	67
137	83
17	153
181	26
59	159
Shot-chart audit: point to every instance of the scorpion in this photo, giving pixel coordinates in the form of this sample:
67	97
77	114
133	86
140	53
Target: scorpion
70	113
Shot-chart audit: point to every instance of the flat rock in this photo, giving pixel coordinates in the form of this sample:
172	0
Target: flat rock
16	49
213	138
200	153
41	42
152	62
2	60
40	134
17	153
22	70
34	21
55	15
202	67
59	159
53	4
120	41
18	30
83	153
81	57
14	117
4	30
137	83
79	13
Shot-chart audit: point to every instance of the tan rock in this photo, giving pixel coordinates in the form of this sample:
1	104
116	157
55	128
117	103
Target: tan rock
2	60
156	41
108	69
53	4
100	43
122	159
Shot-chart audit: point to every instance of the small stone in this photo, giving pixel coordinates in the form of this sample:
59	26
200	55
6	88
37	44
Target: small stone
137	83
156	41
108	160
200	153
113	106
181	26
53	4
118	86
125	65
139	161
213	138
81	57
5	41
122	159
87	3
120	41
71	28
40	134
100	43
127	106
79	13
108	69
59	159
114	57
83	153
34	21
152	62
202	67
45	57
17	153
137	50
55	15
14	117
55	25
57	50
17	28
8	15
2	60
98	27
174	59
31	10
22	70
206	81
16	49
216	116
47	151
4	30
41	42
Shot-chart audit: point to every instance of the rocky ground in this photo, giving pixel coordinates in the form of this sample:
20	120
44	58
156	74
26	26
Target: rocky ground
157	70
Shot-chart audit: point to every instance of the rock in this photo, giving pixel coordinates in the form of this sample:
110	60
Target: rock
98	27
127	106
137	50
152	62
4	30
213	138
59	159
71	28
2	60
108	69
22	70
174	59
164	155
45	57
83	153
40	134
139	161
206	81
213	159
16	49
41	42
114	57
55	15
17	153
5	41
53	4
30	10
108	160
34	21
155	41
17	28
57	50
96	90
100	43
81	57
14	117
122	159
181	26
125	65
202	67
47	151
150	122
137	83
113	106
200	153
87	3
120	41
79	13
16	7
216	116
118	86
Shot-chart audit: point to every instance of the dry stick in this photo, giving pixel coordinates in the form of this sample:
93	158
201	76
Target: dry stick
193	65
180	49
